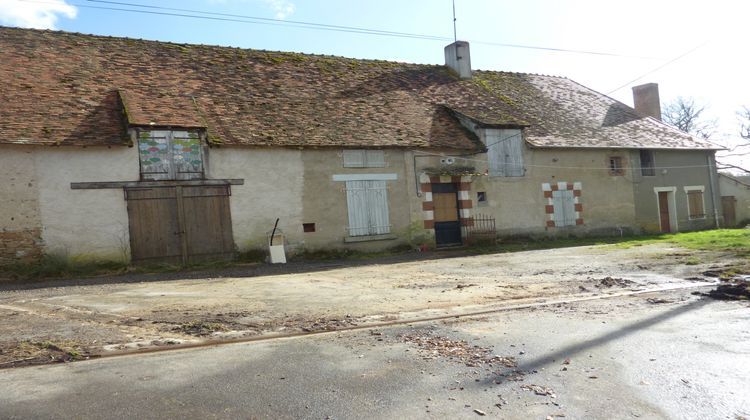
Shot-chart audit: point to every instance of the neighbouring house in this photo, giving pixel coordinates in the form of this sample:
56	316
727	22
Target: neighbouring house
130	149
735	200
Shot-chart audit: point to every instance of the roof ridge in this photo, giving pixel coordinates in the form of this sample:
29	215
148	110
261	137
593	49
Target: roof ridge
212	46
521	73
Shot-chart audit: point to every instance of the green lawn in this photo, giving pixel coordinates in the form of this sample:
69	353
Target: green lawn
734	240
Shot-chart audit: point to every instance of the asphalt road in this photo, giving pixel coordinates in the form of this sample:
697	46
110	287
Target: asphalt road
618	358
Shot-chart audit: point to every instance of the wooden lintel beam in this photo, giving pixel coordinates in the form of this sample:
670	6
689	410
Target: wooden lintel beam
152	184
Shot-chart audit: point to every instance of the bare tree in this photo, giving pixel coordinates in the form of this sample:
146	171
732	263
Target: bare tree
744	116
687	116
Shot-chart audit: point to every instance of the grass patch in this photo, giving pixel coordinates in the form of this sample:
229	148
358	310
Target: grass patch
55	266
732	240
531	244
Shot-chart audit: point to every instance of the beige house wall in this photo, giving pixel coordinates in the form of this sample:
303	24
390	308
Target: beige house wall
40	213
84	223
518	203
325	202
20	222
272	188
741	194
677	169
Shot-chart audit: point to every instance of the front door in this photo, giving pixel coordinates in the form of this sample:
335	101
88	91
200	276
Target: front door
664	212
447	221
727	204
179	224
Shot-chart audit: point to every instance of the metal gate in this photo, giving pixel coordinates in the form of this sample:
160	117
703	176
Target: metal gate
179	224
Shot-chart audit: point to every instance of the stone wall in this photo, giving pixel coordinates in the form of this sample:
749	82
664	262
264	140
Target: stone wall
20	245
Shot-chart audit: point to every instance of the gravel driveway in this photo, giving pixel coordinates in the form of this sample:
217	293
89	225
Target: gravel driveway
58	323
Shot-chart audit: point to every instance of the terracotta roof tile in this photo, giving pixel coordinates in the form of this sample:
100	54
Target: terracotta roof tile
563	113
74	89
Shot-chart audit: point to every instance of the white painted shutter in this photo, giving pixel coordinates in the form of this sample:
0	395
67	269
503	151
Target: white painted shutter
356	202
367	204
557	205
505	152
563	203
374	159
495	153
354	158
378	205
514	152
569	208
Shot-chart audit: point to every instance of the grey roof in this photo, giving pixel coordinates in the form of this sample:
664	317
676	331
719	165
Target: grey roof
563	113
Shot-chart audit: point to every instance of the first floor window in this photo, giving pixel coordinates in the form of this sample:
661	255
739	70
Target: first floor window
505	152
695	202
367	203
360	158
615	166
647	163
167	155
563	204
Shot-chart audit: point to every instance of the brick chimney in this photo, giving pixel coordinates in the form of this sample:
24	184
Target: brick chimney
458	58
646	100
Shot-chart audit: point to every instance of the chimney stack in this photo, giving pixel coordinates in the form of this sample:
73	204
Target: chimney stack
646	100
458	58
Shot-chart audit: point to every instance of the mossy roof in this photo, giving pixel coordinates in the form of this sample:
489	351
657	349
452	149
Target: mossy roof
74	89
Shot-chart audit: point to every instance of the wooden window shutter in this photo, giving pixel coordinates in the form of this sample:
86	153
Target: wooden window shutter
367	205
374	159
377	195
505	152
695	204
564	208
354	158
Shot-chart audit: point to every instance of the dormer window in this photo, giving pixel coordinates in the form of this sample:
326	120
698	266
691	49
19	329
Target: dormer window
170	155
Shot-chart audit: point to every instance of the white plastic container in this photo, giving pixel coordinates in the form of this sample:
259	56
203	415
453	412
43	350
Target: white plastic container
276	251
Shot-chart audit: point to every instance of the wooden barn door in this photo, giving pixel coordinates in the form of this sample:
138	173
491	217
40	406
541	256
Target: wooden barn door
179	224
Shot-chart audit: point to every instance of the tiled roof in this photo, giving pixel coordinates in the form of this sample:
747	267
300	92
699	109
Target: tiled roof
563	113
73	89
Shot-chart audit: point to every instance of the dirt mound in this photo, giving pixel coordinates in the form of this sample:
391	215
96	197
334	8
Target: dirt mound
732	291
613	282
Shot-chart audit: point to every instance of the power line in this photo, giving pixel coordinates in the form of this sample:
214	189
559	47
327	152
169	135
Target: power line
229	17
659	67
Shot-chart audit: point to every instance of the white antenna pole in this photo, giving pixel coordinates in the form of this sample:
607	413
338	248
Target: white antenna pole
455	38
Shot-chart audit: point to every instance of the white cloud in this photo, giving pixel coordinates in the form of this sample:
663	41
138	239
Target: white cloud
283	8
41	15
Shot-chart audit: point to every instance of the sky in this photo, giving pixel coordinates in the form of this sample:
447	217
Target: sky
693	49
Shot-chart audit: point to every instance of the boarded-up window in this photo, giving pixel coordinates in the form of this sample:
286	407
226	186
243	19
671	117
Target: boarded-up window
695	204
647	163
166	155
505	152
367	203
364	158
563	204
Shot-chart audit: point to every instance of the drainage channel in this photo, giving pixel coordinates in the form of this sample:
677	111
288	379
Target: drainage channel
269	337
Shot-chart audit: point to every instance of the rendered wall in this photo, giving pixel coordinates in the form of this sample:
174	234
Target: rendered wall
518	204
741	194
84	223
678	169
20	222
272	189
325	199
